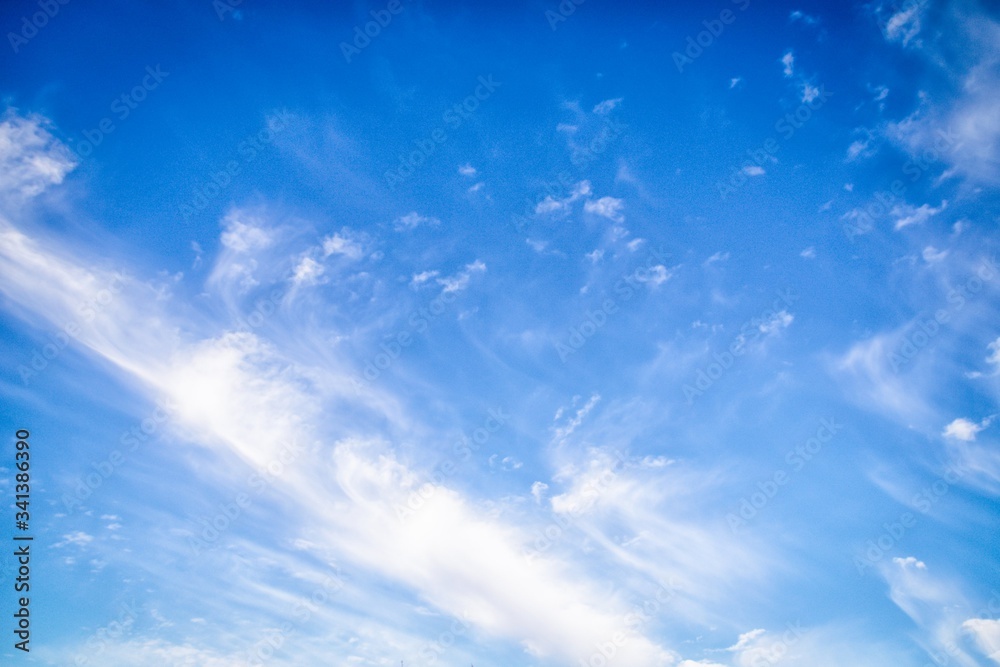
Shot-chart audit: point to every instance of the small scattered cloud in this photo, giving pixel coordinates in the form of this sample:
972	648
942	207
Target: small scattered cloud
964	429
788	60
907	215
553	206
753	170
342	243
607	106
467	170
607	207
460	281
413	220
932	255
808	253
802	17
904	25
719	256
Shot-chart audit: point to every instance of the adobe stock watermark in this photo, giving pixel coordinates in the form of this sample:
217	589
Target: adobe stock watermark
229	513
786	127
641	614
463	448
625	288
121	108
750	330
796	459
130	440
225	7
381	18
99	641
893	532
248	149
563	11
924	332
87	311
265	647
776	650
453	117
434	649
697	44
30	25
546	537
563	184
861	221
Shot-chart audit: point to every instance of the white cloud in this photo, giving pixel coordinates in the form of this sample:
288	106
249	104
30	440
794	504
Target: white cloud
467	170
243	232
308	272
986	633
808	253
735	81
964	429
606	107
342	243
809	93
753	170
538	489
31	159
460	280
907	215
746	639
904	25
608	207
422	277
719	256
413	220
76	538
788	60
932	255
551	205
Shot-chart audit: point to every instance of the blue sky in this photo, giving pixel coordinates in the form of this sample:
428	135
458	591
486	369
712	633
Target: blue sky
526	333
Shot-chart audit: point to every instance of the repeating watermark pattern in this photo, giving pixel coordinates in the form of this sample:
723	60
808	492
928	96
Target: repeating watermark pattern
453	117
893	532
103	637
224	8
248	149
381	18
861	221
461	451
265	648
563	11
121	108
229	513
697	44
140	433
786	127
561	522
625	288
563	184
30	25
796	459
923	333
87	311
749	331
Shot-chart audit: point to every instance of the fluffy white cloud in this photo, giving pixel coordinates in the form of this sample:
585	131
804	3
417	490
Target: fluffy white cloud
963	429
607	207
413	219
31	159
